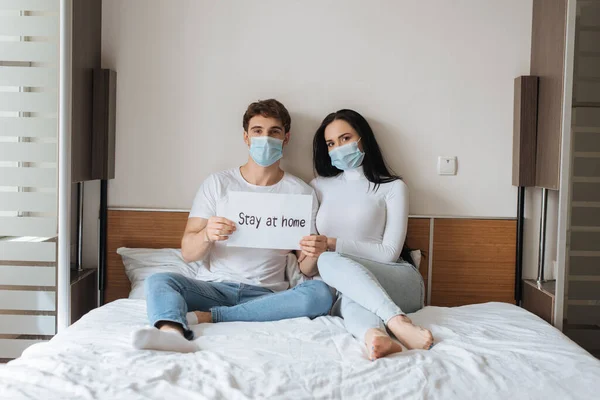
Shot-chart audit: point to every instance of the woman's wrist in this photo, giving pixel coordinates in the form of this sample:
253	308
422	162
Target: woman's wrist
206	238
331	244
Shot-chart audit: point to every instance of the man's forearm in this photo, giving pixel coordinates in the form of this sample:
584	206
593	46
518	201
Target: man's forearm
194	246
308	266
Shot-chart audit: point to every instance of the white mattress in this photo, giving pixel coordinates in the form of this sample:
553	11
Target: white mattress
487	351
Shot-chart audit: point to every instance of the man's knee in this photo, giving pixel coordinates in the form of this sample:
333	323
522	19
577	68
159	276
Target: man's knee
319	298
161	280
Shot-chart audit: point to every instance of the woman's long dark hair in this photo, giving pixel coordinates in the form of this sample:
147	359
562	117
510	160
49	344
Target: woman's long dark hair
374	166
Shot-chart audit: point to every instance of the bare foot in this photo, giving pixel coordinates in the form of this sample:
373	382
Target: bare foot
204	317
379	344
412	336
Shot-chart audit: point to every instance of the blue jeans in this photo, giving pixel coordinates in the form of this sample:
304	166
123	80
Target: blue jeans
371	292
170	296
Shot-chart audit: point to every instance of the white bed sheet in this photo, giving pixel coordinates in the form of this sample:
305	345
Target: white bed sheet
486	351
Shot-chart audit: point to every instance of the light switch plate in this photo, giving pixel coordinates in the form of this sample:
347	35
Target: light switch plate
446	165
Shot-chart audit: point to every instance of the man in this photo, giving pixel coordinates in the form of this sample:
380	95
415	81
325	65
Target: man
244	284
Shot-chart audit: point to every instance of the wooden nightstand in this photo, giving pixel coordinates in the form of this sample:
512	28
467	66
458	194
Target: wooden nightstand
84	292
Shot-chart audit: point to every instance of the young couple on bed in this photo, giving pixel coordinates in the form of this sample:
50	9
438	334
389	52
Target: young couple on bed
360	216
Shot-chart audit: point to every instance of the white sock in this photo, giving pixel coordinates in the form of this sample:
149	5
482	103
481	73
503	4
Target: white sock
192	319
155	339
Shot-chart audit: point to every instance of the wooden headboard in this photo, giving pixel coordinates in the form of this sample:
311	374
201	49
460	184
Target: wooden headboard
163	229
137	229
472	260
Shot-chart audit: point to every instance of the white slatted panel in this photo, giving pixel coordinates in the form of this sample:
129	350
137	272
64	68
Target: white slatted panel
29	26
589	92
25	251
589	339
588	66
29	152
29	102
589	39
29	77
28	177
30	5
28	226
12	348
590	13
28	127
27	276
27	325
29	52
586	119
27	300
32	43
28	201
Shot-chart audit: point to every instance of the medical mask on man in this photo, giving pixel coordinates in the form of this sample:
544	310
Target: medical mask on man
265	150
347	156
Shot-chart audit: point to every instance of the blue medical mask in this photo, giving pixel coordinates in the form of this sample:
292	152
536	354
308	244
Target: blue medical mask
347	156
265	150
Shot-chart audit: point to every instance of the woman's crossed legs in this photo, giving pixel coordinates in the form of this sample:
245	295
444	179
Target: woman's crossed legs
371	295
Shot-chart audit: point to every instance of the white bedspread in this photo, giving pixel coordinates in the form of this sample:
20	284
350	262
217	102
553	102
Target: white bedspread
487	351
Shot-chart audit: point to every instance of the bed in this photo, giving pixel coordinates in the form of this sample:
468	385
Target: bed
493	351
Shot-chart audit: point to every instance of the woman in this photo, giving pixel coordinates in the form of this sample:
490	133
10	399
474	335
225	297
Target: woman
364	214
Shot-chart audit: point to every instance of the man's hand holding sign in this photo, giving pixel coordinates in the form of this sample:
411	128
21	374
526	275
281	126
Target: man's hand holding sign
218	228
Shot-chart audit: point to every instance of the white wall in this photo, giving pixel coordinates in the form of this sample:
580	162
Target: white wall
432	77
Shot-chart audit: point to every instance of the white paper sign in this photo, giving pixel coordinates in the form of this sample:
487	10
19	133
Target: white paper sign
267	220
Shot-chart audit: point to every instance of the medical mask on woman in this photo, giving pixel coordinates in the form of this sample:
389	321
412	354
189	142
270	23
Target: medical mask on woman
347	156
265	150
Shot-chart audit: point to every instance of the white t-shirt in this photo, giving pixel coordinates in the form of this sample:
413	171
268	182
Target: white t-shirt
258	267
367	223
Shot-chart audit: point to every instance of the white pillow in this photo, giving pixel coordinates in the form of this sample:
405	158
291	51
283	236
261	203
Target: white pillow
141	263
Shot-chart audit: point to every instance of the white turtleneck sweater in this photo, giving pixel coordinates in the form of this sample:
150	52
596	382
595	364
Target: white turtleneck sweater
366	223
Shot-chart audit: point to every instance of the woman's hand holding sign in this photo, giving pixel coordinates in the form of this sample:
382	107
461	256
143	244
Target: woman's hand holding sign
313	246
218	229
